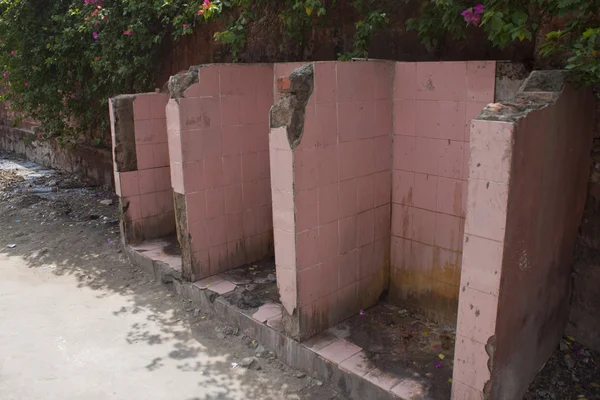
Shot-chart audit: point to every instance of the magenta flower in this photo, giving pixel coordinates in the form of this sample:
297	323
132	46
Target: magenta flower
73	96
26	84
362	313
5	74
185	26
473	15
478	9
467	15
206	3
95	35
439	364
96	58
128	32
13	52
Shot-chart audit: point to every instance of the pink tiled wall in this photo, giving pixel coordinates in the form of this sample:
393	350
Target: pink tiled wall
331	196
146	194
527	188
218	140
433	105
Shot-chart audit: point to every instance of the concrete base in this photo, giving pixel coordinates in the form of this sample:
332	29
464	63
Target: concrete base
326	357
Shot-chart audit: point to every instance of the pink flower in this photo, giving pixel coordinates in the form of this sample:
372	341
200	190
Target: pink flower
73	96
26	84
5	74
478	9
476	19
95	35
128	32
467	15
96	58
201	11
362	313
473	15
206	3
13	52
185	26
439	364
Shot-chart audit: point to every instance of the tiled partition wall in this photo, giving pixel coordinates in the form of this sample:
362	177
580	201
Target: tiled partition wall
141	162
218	141
434	103
331	191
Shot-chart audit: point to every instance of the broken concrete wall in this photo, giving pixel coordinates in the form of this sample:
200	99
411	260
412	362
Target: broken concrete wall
331	179
141	166
433	106
218	131
527	183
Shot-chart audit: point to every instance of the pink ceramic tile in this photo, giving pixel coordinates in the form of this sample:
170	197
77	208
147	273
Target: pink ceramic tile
230	112
193	91
347	303
129	183
307	249
348	268
339	351
252	194
441	81
491	150
486	209
349	122
383	82
348	194
383	153
265	220
142	108
405	117
222	287
366	261
359	364
426	155
451	159
134	209
423	226
482	264
194	177
382	379
326	124
348	234
328	281
400	252
251	223
213	172
146	181
460	391
477	313
421	257
285	249
283	211
365	193
145	156
281	170
450	196
117	183
208	80
347	154
403	187
328	203
230	79
159	128
232	199
364	119
177	178
472	111
382	188
232	170
365	158
383	221
402	221
428	118
266	312
199	113
212	142
306	206
470	363
207	283
481	81
235	227
161	155
276	323
405	78
410	389
286	283
250	110
366	227
328	241
219	262
148	205
466	160
424	194
328	165
308	291
199	235
217	231
231	141
196	206
164	201
306	167
452	121
448	232
215	203
354	81
404	152
325	83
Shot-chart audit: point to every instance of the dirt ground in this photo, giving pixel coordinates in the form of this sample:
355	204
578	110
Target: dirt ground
71	233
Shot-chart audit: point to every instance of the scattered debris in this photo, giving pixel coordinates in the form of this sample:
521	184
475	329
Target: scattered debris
11	246
247	362
106	202
300	375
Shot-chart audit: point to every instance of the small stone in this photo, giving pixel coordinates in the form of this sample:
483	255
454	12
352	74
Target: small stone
271	278
300	375
570	363
221	336
247	362
318	383
106	202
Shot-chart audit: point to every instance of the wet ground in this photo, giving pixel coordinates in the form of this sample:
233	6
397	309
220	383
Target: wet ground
404	345
257	285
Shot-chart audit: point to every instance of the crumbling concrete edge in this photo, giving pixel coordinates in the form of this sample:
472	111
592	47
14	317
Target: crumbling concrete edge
123	133
293	353
290	109
179	83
